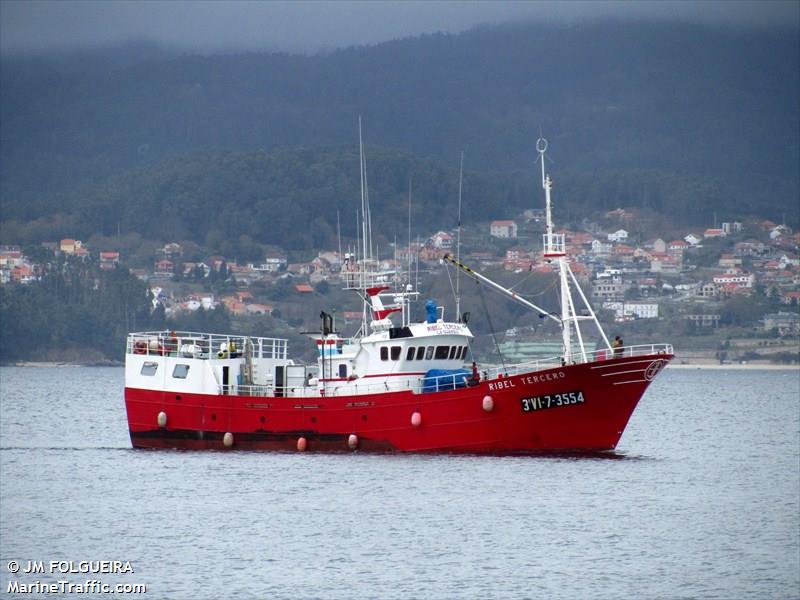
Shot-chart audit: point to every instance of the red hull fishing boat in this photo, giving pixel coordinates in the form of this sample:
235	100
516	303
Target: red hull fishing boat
392	387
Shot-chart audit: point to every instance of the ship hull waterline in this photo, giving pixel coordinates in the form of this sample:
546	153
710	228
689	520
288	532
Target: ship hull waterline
580	407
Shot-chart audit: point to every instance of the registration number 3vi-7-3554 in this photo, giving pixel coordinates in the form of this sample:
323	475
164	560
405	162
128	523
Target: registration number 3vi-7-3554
551	401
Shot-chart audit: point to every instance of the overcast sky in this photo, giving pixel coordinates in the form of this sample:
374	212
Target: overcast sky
308	26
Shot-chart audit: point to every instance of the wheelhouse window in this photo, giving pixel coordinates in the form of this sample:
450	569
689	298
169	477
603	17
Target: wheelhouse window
453	350
396	352
410	353
441	352
180	371
463	352
429	353
149	368
384	353
420	352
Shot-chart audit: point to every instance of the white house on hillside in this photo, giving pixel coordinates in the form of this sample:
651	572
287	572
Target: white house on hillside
620	235
599	247
692	239
443	240
628	310
503	229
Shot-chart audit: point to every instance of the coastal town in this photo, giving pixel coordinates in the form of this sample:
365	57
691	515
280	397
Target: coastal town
731	291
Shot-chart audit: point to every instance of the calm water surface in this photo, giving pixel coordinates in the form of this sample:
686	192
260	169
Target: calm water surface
701	500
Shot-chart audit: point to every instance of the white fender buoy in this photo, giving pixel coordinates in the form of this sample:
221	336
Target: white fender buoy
352	441
227	439
162	419
301	444
488	404
416	419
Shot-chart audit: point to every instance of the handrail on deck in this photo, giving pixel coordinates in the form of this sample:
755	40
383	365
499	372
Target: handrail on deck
578	358
193	344
433	384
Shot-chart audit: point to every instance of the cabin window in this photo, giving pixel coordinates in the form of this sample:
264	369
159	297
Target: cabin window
420	352
429	353
149	368
180	371
342	371
453	350
463	352
441	352
396	352
384	353
410	353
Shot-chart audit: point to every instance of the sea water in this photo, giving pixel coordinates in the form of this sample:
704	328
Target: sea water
700	500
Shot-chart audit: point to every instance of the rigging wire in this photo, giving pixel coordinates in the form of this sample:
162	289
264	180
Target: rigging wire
450	277
549	287
491	326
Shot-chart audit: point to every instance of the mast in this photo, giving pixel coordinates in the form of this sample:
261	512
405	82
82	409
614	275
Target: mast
458	240
339	234
364	215
408	286
416	264
554	248
409	230
366	278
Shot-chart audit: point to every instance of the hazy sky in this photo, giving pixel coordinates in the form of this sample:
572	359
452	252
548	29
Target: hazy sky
313	25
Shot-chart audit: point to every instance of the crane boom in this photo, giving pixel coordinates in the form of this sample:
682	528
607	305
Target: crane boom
511	294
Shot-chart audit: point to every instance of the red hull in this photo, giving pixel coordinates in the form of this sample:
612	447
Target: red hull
451	421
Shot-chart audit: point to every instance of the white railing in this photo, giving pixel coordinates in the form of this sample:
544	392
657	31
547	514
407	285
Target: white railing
193	344
577	358
361	387
554	243
414	383
420	384
360	279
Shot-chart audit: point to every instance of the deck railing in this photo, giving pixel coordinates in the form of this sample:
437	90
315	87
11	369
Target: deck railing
357	388
577	358
421	384
193	344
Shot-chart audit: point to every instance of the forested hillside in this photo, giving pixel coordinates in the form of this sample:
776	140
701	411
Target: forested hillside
235	202
630	109
76	312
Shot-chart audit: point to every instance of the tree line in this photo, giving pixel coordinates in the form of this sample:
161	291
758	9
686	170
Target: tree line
234	204
81	313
